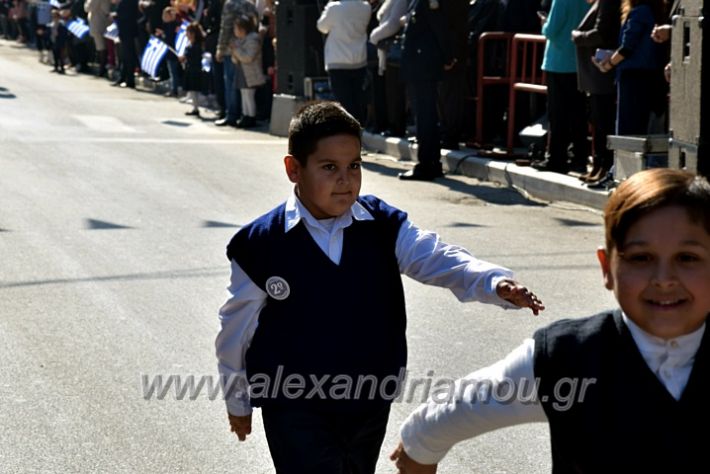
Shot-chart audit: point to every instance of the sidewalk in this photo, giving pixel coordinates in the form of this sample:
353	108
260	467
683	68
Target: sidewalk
543	185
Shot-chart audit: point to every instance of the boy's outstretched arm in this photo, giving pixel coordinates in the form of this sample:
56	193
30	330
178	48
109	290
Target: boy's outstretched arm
519	295
424	257
241	425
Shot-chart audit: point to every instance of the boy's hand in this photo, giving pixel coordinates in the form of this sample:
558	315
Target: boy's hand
407	465
519	295
241	425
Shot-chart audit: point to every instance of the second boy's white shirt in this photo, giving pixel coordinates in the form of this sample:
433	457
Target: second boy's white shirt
421	255
434	428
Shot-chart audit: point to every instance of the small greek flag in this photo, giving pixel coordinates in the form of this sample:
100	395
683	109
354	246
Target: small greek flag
181	39
206	62
78	27
154	53
112	33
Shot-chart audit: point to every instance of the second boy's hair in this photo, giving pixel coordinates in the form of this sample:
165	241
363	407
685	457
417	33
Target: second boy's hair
653	189
246	23
316	121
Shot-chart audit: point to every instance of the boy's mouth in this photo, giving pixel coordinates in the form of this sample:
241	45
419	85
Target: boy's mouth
666	303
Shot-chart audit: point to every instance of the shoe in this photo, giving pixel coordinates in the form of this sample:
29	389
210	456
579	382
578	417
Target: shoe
225	122
220	115
116	83
417	175
170	94
125	85
549	166
246	122
586	177
194	112
593	178
606	183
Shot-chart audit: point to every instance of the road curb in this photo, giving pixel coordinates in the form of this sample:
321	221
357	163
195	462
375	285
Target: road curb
543	185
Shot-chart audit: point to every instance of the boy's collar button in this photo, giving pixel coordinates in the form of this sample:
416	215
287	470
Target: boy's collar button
674	344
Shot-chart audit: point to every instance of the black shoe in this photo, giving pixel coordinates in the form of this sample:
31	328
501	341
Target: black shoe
220	115
116	83
549	166
126	85
246	122
418	175
225	122
194	112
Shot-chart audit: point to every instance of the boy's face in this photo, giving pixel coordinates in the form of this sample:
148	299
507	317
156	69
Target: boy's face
330	182
661	274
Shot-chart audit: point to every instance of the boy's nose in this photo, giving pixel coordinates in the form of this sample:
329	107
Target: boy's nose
664	274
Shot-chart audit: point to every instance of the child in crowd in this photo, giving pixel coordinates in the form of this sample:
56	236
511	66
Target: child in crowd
193	65
58	34
168	32
316	302
625	390
246	50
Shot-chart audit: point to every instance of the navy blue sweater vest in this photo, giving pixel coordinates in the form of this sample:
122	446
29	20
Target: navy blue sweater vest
627	421
346	322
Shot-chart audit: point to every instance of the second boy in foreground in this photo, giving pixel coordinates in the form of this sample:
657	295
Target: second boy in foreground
622	391
316	321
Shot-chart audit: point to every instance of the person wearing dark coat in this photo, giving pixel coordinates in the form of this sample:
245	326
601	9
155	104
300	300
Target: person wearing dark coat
127	21
599	29
192	60
426	53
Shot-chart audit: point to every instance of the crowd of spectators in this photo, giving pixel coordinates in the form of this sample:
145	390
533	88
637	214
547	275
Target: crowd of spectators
401	67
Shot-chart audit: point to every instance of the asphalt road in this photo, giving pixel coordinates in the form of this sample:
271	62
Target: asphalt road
115	210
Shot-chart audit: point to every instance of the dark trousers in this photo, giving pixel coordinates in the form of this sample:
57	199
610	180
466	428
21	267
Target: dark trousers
429	147
396	100
603	117
634	101
452	92
566	110
218	83
129	59
303	441
348	88
58	59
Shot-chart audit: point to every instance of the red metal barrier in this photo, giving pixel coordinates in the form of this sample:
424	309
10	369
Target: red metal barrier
483	78
526	76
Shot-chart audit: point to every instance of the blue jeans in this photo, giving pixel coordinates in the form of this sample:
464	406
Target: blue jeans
233	105
174	70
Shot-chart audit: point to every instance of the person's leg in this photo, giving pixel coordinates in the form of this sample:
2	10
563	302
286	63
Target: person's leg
429	147
452	91
340	87
559	138
364	434
303	441
633	103
173	71
602	117
230	91
218	84
248	119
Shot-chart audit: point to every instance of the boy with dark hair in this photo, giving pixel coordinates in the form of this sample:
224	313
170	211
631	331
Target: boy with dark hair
315	323
625	390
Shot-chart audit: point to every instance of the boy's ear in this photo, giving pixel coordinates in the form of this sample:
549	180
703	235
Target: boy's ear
605	263
293	168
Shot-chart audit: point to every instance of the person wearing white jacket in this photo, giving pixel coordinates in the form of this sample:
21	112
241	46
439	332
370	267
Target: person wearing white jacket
345	23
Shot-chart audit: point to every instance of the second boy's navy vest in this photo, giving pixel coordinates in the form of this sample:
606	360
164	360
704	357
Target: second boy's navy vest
340	329
626	421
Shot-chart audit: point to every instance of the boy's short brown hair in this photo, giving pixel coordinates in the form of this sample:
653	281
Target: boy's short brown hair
653	189
315	121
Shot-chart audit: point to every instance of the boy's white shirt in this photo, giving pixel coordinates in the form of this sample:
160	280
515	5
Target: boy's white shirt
434	428
421	256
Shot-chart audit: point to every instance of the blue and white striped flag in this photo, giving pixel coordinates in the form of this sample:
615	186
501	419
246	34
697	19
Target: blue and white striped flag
181	39
206	62
154	52
78	27
112	33
55	3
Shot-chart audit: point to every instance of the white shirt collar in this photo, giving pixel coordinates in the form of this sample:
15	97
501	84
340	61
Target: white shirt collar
683	347
295	211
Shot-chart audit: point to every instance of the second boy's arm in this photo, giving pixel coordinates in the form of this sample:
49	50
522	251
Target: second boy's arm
424	257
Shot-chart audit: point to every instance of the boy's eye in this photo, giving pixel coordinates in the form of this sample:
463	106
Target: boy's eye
637	257
355	166
329	167
688	258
